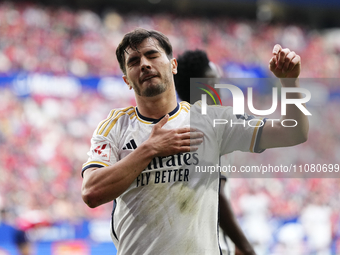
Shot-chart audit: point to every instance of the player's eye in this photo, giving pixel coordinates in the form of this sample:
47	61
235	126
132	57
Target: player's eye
154	55
133	63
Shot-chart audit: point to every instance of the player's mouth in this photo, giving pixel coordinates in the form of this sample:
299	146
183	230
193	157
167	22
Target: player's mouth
148	77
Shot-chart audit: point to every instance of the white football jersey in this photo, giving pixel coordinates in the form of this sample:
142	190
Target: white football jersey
172	206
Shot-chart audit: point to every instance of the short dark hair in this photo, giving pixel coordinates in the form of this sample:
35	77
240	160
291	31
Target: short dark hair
135	38
191	64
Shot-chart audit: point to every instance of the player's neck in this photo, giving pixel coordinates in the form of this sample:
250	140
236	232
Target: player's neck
158	106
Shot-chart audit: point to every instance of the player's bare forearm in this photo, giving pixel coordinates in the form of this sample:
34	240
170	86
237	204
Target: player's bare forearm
102	185
230	226
299	133
286	65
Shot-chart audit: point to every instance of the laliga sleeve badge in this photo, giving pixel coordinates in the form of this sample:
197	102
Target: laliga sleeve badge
102	151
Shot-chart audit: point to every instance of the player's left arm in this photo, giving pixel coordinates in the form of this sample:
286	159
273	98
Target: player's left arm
286	65
229	224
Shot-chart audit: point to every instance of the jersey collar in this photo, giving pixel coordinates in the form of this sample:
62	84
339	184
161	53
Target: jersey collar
154	121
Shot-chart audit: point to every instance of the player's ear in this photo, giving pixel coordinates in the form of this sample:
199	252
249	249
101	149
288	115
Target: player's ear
173	65
126	80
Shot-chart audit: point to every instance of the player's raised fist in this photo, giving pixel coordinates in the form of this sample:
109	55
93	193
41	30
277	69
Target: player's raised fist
285	63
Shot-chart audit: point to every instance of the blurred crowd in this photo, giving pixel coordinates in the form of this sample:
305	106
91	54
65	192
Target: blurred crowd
82	43
44	140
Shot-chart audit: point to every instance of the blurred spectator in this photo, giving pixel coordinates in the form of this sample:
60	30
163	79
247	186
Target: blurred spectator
316	220
255	218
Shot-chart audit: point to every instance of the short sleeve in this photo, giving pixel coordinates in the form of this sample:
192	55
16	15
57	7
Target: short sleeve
103	152
232	132
240	132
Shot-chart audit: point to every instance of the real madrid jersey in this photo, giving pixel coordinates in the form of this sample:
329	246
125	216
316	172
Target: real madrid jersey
172	206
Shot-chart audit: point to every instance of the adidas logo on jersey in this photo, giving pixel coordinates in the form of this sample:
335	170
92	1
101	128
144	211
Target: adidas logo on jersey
130	145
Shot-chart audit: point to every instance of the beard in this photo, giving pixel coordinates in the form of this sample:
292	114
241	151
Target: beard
155	89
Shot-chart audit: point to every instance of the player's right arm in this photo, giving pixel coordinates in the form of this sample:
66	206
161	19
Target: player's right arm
102	185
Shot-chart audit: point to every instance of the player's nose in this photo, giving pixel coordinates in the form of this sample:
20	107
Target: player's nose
145	64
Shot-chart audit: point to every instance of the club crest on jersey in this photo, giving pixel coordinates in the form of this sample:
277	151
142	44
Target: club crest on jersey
102	149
